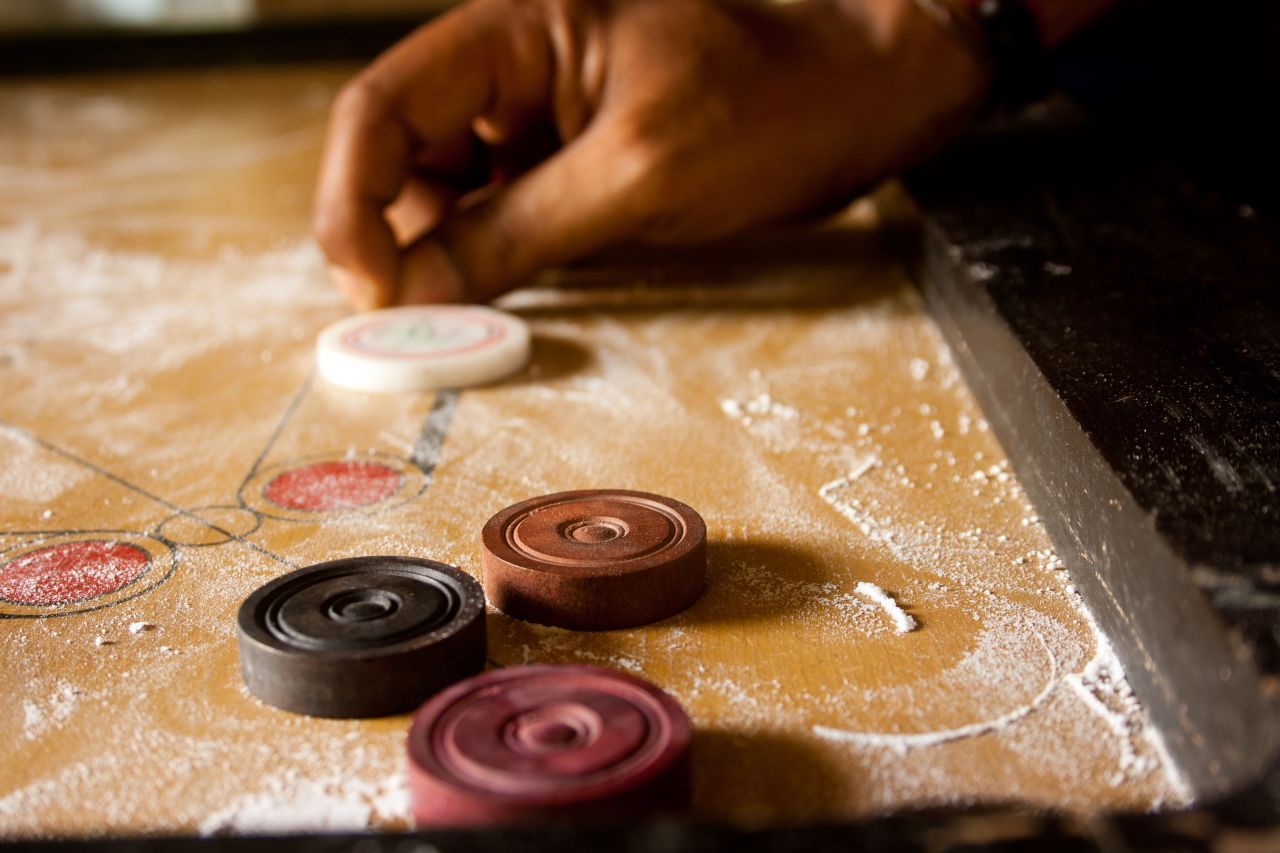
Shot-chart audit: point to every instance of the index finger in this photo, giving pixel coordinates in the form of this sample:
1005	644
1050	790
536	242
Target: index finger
428	88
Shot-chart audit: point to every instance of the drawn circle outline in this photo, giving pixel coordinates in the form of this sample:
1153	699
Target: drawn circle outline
253	497
163	564
354	339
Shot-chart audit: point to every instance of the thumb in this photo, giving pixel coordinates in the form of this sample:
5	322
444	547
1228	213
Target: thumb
589	194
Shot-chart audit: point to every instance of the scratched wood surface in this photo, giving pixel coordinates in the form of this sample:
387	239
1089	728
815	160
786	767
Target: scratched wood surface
159	299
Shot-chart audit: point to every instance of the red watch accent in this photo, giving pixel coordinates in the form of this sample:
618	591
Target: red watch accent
1036	7
1010	35
1055	20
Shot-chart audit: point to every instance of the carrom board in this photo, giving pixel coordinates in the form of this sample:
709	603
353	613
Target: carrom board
167	448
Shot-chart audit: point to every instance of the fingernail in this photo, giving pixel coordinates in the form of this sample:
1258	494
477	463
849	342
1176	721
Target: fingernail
360	291
428	275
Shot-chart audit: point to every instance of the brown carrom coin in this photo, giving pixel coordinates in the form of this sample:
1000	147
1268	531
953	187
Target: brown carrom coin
595	559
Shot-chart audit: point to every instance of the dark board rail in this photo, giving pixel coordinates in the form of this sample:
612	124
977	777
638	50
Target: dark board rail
1119	323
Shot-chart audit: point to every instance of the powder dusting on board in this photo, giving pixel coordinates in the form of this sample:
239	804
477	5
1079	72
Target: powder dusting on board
878	583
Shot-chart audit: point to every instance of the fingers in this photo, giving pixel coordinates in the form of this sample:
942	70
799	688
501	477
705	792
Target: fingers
364	165
588	195
421	204
425	92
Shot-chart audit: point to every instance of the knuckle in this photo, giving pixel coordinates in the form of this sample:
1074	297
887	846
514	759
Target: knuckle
480	248
652	172
359	98
332	232
675	191
572	12
644	158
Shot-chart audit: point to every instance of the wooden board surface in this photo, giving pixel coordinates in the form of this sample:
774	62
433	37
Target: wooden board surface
159	298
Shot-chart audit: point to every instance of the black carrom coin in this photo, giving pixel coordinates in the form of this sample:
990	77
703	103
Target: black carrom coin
362	637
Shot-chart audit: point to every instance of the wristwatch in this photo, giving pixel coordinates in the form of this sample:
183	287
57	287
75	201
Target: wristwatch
1005	34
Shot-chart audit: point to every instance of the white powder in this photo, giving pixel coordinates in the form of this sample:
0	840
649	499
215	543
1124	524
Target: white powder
626	662
902	621
1104	689
900	743
877	529
39	717
291	803
859	469
32	719
982	272
762	405
30	476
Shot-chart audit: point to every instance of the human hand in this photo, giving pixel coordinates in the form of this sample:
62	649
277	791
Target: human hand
513	135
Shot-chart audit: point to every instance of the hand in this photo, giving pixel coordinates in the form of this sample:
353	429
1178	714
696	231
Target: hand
513	135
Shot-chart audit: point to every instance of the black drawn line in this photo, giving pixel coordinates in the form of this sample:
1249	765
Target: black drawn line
289	412
115	478
430	443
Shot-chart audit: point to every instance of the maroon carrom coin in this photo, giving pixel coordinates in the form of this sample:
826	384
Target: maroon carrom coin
547	741
594	560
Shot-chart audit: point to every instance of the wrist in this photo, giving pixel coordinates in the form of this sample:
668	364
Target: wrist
1055	20
1009	34
945	62
929	82
928	48
895	84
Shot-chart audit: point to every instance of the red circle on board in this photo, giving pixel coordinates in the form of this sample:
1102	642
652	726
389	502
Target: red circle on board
336	485
71	571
